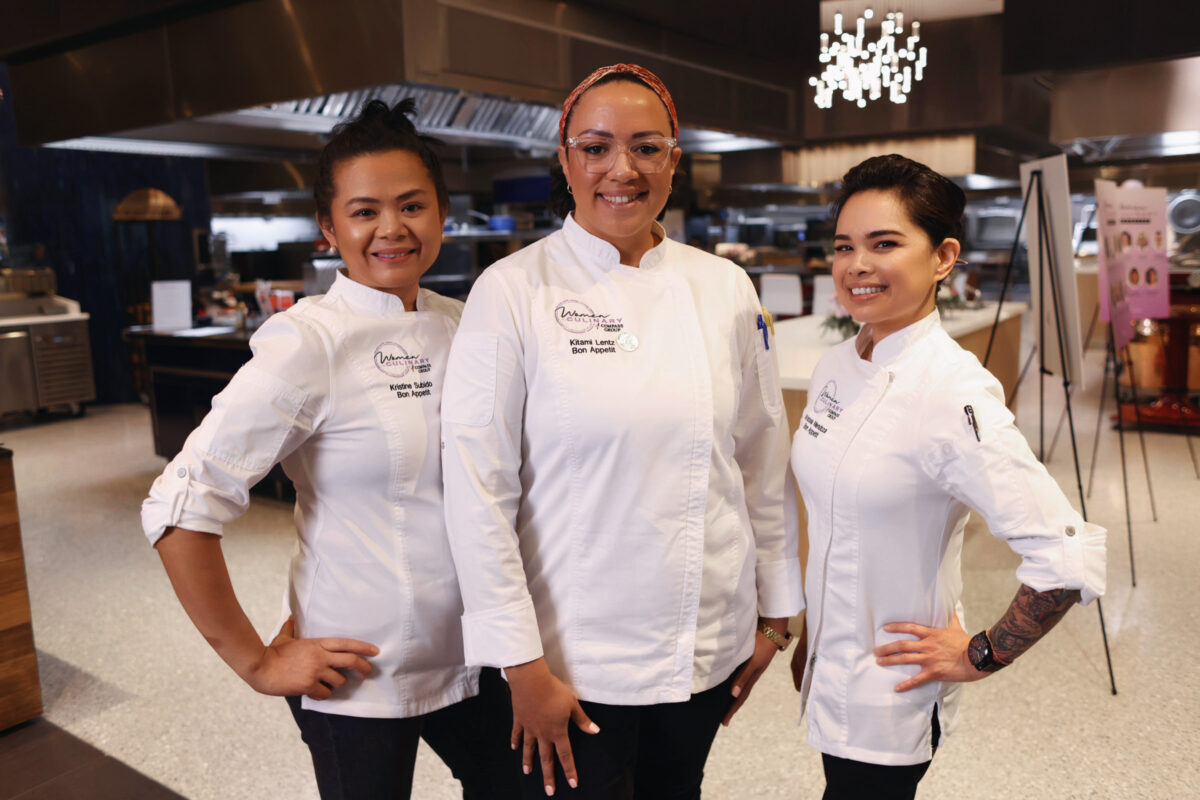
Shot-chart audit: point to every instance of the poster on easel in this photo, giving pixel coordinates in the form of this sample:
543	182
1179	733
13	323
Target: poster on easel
1059	255
1133	250
1113	285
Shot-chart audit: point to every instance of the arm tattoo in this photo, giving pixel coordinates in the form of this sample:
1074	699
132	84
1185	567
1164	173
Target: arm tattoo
1030	616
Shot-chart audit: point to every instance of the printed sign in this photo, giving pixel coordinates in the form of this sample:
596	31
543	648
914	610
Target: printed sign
1133	253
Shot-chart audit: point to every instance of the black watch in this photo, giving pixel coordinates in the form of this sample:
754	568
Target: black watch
979	651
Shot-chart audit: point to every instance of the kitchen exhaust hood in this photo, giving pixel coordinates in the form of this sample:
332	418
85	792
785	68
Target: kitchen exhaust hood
1128	113
296	129
221	83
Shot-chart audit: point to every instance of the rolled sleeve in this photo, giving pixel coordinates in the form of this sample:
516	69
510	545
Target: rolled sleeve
998	475
268	409
173	502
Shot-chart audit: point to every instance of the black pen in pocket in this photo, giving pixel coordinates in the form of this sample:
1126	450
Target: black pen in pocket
971	418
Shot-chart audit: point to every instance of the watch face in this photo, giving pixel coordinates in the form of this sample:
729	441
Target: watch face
979	652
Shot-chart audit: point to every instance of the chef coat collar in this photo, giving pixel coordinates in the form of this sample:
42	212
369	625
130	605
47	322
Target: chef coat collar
893	345
371	301
597	252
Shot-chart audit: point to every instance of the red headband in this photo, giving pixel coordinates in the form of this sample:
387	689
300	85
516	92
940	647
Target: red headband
641	73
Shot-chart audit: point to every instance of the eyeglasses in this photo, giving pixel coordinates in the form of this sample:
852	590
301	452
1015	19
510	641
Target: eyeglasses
598	155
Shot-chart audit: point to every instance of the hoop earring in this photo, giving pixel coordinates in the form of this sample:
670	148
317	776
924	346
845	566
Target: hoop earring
569	189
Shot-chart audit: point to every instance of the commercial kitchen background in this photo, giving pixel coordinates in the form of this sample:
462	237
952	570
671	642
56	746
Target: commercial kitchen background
175	139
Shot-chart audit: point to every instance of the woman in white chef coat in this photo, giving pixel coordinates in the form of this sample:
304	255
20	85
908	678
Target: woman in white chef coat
343	389
903	431
614	459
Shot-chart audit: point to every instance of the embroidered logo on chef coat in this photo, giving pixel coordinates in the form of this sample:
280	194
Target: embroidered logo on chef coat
576	317
827	402
394	361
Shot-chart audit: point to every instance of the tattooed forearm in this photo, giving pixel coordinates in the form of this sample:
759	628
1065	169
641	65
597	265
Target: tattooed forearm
1030	616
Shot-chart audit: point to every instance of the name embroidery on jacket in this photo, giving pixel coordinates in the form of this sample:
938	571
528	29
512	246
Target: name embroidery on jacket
575	316
393	360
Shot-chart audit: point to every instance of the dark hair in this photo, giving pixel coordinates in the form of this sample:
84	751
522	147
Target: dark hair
377	129
933	201
561	200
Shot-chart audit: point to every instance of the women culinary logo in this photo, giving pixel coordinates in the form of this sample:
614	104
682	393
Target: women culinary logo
827	400
575	317
393	360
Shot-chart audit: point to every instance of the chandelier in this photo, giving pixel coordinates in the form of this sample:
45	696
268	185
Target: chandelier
863	70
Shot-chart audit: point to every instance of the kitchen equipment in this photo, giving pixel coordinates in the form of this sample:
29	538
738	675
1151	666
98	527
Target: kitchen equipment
1183	215
45	352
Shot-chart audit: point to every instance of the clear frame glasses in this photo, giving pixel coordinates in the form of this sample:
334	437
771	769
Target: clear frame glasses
598	154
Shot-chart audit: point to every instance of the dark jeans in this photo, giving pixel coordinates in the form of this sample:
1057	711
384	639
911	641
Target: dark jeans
857	780
654	752
362	758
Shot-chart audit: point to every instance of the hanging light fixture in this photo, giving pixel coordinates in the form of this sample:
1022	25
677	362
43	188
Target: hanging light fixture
864	70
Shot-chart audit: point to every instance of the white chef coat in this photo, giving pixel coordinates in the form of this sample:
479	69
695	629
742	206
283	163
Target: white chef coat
615	450
888	462
344	390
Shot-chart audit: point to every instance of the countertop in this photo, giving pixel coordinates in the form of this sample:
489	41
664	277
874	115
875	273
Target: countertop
211	336
43	319
801	341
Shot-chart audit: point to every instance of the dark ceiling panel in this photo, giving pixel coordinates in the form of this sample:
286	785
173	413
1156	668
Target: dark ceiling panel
35	29
770	29
110	86
1042	36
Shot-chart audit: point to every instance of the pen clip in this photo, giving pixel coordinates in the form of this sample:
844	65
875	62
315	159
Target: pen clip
770	320
762	326
970	412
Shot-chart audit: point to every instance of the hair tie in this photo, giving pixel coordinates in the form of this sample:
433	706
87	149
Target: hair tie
641	73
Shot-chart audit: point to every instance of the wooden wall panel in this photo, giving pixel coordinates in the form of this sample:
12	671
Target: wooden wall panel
20	692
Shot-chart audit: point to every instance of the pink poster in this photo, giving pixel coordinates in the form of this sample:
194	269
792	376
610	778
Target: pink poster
1133	250
1114	297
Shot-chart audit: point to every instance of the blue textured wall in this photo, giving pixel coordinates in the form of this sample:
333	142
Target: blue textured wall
64	200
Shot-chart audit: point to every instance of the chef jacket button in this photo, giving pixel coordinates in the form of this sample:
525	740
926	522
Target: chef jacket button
947	450
181	472
1070	530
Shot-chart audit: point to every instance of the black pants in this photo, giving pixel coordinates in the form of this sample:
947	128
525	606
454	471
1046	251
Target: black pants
857	780
652	752
362	758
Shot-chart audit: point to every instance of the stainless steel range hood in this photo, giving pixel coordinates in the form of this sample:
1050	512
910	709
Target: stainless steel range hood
1128	113
295	130
221	83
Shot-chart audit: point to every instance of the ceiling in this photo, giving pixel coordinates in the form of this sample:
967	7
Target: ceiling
766	43
921	10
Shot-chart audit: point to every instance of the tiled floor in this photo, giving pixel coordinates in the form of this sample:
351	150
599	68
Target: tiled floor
123	669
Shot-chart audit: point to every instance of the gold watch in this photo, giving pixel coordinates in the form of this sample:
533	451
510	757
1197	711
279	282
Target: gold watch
779	640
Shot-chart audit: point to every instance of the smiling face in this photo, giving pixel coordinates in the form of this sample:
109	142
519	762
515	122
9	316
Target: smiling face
620	205
885	269
385	221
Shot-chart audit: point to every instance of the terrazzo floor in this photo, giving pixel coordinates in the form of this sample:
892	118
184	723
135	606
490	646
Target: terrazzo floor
123	669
